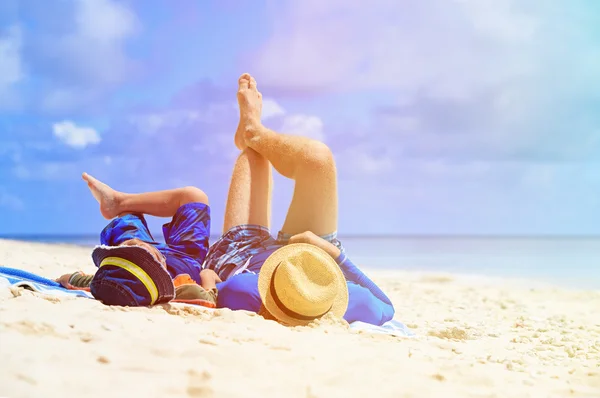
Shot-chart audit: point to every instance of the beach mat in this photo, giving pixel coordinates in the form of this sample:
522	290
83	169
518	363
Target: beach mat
19	278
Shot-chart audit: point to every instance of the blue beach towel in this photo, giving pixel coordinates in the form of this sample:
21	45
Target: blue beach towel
19	278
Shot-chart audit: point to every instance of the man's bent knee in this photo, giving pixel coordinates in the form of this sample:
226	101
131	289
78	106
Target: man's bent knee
319	155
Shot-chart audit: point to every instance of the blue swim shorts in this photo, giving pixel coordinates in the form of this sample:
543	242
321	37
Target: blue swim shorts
244	248
186	237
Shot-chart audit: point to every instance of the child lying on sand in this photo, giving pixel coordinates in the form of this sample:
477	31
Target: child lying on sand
182	255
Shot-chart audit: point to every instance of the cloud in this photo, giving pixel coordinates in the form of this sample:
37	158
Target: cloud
75	136
540	176
476	130
271	109
310	126
453	197
11	66
447	50
65	99
357	161
96	46
304	125
77	51
469	79
153	122
65	170
185	139
10	57
9	201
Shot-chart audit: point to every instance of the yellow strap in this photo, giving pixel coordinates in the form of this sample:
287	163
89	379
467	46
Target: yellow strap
137	272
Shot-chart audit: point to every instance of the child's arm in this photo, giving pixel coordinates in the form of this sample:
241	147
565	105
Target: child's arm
209	279
76	281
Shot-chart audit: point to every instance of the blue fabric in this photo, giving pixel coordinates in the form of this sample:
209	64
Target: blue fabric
116	286
353	274
186	237
232	252
245	248
17	277
367	302
24	275
240	292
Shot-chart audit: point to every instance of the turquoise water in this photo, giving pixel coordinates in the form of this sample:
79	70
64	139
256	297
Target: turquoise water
567	261
573	262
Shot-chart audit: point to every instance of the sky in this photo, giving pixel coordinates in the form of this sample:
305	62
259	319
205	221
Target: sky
467	117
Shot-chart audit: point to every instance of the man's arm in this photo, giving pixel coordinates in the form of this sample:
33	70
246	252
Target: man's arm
353	274
351	271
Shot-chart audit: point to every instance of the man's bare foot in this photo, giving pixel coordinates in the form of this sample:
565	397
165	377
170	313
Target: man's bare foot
250	102
108	198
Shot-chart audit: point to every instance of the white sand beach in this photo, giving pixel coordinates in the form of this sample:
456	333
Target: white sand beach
476	337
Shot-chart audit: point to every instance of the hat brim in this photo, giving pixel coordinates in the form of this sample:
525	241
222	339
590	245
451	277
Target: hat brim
142	266
340	302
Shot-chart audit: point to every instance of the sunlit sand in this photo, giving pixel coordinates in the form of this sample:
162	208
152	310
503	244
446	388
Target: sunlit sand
476	337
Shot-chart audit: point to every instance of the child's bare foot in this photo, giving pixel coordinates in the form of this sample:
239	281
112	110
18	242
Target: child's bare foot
108	198
250	102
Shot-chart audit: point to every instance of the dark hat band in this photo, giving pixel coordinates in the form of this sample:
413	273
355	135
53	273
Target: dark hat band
136	271
286	310
128	267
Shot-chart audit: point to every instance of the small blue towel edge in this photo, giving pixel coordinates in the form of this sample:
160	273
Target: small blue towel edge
19	273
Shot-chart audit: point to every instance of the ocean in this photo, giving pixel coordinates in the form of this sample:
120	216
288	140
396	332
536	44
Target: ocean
566	261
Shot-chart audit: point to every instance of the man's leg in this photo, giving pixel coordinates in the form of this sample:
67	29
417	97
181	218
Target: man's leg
249	197
250	189
160	203
247	212
310	163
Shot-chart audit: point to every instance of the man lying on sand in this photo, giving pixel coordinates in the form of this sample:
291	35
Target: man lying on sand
130	276
296	277
301	276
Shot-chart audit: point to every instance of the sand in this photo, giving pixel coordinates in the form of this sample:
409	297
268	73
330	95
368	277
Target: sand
477	337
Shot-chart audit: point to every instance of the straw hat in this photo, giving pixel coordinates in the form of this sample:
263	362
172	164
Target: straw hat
299	283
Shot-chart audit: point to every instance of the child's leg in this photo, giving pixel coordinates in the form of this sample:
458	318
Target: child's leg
159	203
187	291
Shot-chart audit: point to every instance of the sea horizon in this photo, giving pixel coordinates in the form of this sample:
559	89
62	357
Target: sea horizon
33	237
568	260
